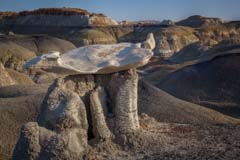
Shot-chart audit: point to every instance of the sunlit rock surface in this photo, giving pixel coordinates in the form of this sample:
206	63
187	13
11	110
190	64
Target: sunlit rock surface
96	59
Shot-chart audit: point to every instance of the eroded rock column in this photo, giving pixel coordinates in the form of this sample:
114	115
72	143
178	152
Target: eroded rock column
124	92
99	112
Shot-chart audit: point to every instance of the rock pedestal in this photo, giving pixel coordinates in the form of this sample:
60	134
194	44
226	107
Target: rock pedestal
95	101
79	109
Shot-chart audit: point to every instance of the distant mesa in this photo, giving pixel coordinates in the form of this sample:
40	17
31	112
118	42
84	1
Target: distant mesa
199	21
60	16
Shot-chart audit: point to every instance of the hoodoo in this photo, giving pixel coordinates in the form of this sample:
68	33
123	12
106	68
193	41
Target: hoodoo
95	100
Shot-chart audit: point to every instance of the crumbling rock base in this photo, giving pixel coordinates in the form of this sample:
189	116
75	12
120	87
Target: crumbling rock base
79	109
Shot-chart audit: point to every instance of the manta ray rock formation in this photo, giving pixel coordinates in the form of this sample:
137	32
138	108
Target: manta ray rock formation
94	103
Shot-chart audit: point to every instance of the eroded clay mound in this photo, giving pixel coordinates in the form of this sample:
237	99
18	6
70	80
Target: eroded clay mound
214	83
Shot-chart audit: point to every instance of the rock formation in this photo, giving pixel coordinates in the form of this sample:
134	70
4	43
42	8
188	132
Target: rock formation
87	105
172	39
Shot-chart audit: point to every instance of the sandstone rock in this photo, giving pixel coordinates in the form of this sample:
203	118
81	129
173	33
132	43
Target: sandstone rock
5	79
150	42
96	59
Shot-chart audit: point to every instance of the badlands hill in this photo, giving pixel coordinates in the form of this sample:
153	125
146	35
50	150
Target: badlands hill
212	83
17	49
199	21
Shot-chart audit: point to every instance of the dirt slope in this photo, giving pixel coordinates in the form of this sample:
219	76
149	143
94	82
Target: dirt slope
166	108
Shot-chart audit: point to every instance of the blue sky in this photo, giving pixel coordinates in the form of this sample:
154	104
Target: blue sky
138	9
